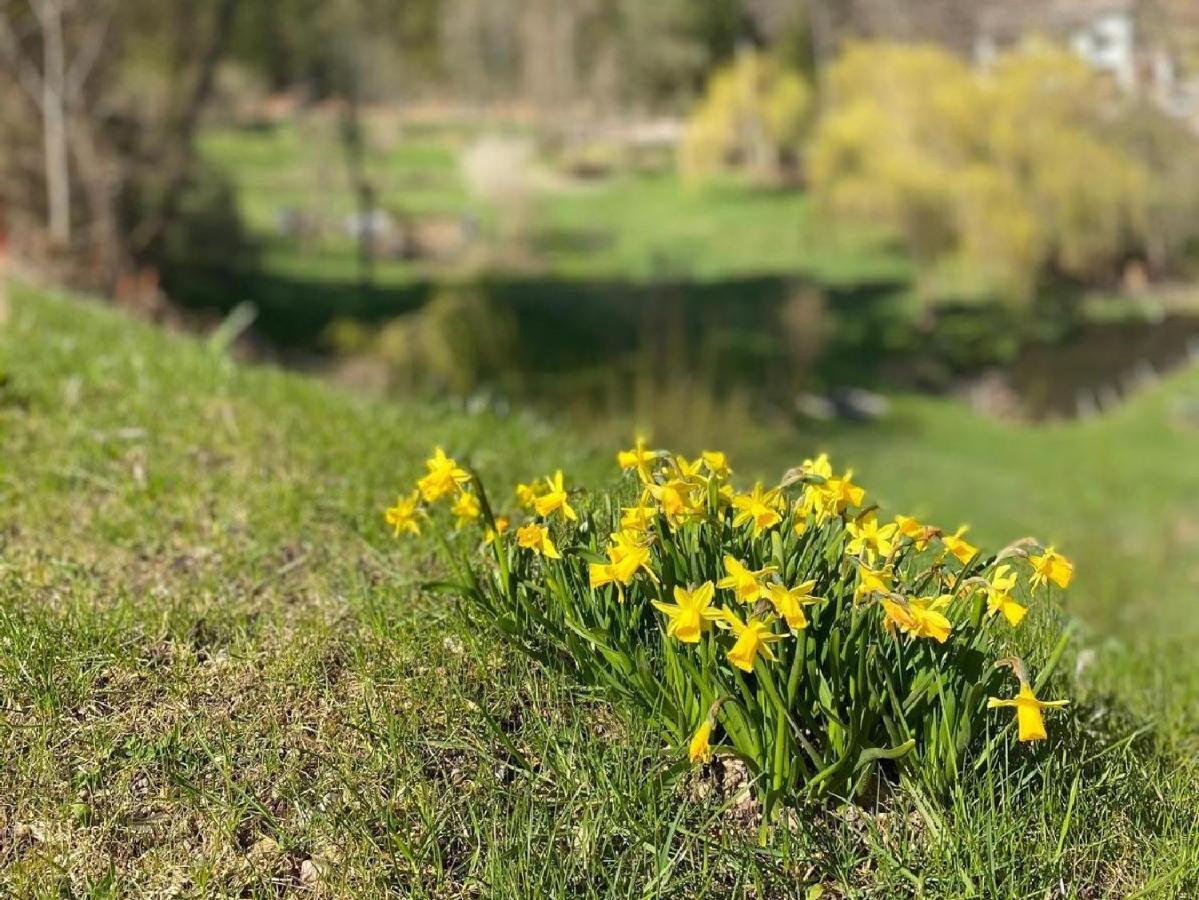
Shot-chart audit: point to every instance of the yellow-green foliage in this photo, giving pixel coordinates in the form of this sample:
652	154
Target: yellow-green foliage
457	340
753	116
1005	171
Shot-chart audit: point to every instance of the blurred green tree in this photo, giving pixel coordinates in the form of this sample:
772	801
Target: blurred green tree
1009	175
753	117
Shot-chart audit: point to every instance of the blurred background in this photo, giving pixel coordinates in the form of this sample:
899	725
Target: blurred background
680	214
699	218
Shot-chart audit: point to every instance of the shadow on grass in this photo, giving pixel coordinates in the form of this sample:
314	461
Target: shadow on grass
576	325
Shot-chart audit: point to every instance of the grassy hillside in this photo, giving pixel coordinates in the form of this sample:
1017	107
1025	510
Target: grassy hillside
219	675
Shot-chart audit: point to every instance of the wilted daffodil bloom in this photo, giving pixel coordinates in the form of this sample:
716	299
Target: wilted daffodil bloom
1051	566
744	582
753	637
690	611
536	537
405	515
999	598
959	546
789	603
638	458
444	476
501	526
911	527
1029	722
758	508
868	539
872	581
699	750
465	509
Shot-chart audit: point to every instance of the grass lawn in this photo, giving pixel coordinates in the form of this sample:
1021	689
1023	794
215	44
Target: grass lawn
627	226
219	675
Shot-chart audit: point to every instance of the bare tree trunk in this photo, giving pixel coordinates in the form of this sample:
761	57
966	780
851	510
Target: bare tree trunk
54	121
98	186
3	274
181	154
354	151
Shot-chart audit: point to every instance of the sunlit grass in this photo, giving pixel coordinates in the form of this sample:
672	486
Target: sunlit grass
216	666
638	226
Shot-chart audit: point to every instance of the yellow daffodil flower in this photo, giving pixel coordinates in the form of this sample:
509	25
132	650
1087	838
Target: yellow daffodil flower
1029	722
625	557
688	471
405	515
789	603
501	526
999	598
959	546
676	500
928	620
840	493
466	509
758	508
753	637
527	494
819	466
872	581
638	518
810	504
920	617
868	539
536	537
555	499
444	476
896	616
911	528
745	583
688	614
638	458
699	750
717	463
1051	566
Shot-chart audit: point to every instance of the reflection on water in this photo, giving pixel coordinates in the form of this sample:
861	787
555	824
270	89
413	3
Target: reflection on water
1099	364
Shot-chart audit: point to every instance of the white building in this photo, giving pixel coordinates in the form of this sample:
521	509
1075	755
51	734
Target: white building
1102	32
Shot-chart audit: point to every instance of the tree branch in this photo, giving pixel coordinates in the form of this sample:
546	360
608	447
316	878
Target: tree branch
10	52
86	58
179	163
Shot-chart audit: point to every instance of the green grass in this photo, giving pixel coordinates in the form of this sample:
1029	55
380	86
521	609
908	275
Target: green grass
629	226
216	665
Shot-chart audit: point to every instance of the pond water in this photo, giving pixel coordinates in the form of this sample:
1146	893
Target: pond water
770	338
1099	363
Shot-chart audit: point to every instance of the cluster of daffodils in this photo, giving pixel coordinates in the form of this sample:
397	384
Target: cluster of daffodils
791	626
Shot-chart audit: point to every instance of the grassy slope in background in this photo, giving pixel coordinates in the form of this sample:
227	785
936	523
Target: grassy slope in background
217	673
